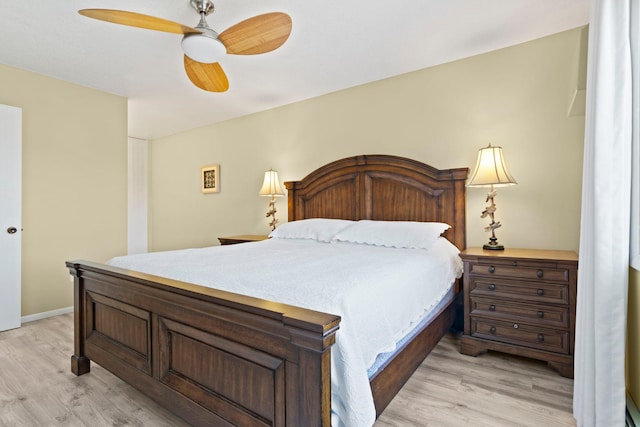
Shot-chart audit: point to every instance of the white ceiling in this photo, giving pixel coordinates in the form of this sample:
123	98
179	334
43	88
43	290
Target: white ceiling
334	44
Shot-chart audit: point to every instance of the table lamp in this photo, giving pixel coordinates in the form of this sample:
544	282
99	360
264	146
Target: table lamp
271	187
491	171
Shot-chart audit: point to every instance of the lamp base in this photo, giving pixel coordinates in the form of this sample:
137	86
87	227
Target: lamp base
491	247
493	244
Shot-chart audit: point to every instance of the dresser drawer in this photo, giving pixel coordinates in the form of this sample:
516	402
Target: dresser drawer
522	335
539	292
537	314
521	272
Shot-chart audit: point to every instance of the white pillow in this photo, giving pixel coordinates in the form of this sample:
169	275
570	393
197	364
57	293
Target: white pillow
393	234
320	229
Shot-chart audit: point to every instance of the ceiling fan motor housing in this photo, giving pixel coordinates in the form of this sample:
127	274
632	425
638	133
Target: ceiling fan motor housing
203	6
203	47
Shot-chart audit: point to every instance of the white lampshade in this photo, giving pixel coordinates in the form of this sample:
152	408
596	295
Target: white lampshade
204	47
271	185
491	169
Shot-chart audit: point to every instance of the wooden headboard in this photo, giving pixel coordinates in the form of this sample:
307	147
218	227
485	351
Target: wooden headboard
382	187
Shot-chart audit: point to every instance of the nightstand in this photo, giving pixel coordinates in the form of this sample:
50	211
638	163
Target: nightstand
245	238
522	302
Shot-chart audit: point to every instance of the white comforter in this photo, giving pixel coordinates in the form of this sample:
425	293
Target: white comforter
351	280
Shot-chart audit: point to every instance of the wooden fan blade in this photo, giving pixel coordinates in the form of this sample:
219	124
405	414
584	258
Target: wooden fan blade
139	20
260	34
209	77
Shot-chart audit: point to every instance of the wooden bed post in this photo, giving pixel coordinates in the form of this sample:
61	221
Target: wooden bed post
313	397
80	364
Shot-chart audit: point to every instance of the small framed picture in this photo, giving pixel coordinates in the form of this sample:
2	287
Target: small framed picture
210	179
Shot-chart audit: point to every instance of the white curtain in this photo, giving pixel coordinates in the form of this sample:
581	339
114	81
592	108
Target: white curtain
635	168
599	387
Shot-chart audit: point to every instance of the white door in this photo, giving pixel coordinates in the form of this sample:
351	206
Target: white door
10	215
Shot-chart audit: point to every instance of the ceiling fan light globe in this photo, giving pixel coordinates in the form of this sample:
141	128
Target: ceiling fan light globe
203	48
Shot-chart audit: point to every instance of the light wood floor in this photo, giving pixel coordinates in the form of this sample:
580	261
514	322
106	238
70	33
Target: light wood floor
449	389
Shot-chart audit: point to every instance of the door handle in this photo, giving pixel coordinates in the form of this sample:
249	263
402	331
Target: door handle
12	230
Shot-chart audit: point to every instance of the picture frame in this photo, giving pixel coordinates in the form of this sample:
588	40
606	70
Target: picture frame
210	179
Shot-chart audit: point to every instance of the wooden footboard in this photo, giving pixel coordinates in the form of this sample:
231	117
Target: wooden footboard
214	358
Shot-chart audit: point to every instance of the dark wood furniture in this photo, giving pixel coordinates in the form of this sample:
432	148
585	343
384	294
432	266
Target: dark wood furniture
218	358
523	302
244	238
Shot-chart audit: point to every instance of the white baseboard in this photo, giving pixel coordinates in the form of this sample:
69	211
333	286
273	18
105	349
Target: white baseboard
44	315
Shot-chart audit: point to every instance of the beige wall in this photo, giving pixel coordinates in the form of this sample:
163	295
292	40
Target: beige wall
516	97
74	181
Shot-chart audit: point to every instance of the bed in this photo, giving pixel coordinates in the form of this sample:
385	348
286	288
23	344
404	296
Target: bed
220	358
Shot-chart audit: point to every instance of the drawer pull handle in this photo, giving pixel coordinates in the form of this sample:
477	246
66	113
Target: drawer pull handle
492	287
540	273
540	292
492	269
540	338
492	330
492	307
516	326
540	314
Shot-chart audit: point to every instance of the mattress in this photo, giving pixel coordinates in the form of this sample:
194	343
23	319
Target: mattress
383	358
381	294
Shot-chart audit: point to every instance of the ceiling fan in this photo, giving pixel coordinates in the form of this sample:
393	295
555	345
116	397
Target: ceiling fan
202	46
